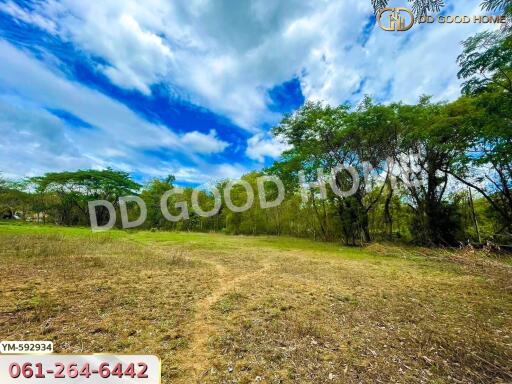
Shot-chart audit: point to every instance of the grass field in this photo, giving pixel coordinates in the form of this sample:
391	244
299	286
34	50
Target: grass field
224	309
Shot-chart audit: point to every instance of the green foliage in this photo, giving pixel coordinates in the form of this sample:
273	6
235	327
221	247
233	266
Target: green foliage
419	7
486	163
106	184
497	5
67	193
325	137
486	63
454	184
151	194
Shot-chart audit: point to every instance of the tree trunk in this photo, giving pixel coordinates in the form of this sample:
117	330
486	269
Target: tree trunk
388	219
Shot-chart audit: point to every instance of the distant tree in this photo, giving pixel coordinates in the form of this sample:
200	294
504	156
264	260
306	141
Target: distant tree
75	189
152	194
13	199
3	183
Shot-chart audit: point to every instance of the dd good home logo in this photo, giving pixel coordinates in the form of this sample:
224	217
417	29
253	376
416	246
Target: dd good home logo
395	19
402	19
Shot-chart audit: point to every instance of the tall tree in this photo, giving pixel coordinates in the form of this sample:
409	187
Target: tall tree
486	67
327	137
424	161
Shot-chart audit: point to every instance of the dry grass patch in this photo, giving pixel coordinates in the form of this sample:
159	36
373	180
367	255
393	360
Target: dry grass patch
363	320
96	294
222	309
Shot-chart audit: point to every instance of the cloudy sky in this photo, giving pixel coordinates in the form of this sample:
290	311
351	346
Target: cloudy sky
192	87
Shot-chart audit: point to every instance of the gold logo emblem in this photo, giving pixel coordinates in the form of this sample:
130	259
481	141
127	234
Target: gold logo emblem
395	21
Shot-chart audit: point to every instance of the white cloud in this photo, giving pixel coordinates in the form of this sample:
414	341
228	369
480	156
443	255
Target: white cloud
221	55
226	55
210	174
259	147
35	141
138	57
117	123
200	143
19	13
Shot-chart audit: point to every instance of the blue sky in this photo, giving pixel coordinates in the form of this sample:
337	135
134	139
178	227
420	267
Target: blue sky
192	88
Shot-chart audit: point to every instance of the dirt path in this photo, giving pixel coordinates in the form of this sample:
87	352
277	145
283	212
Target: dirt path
194	360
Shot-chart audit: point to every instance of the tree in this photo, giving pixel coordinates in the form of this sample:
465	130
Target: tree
3	184
486	63
152	195
424	161
327	137
75	189
13	199
485	164
486	66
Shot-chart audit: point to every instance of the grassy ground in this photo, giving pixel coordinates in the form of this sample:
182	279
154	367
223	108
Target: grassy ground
223	309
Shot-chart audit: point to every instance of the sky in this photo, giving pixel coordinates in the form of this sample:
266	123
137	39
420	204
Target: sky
192	88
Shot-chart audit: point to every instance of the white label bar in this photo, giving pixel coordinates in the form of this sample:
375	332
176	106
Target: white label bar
69	369
12	347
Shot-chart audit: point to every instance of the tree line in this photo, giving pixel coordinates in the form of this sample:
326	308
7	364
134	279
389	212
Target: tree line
441	172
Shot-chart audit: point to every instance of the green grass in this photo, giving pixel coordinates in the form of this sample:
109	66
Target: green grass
192	239
219	308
